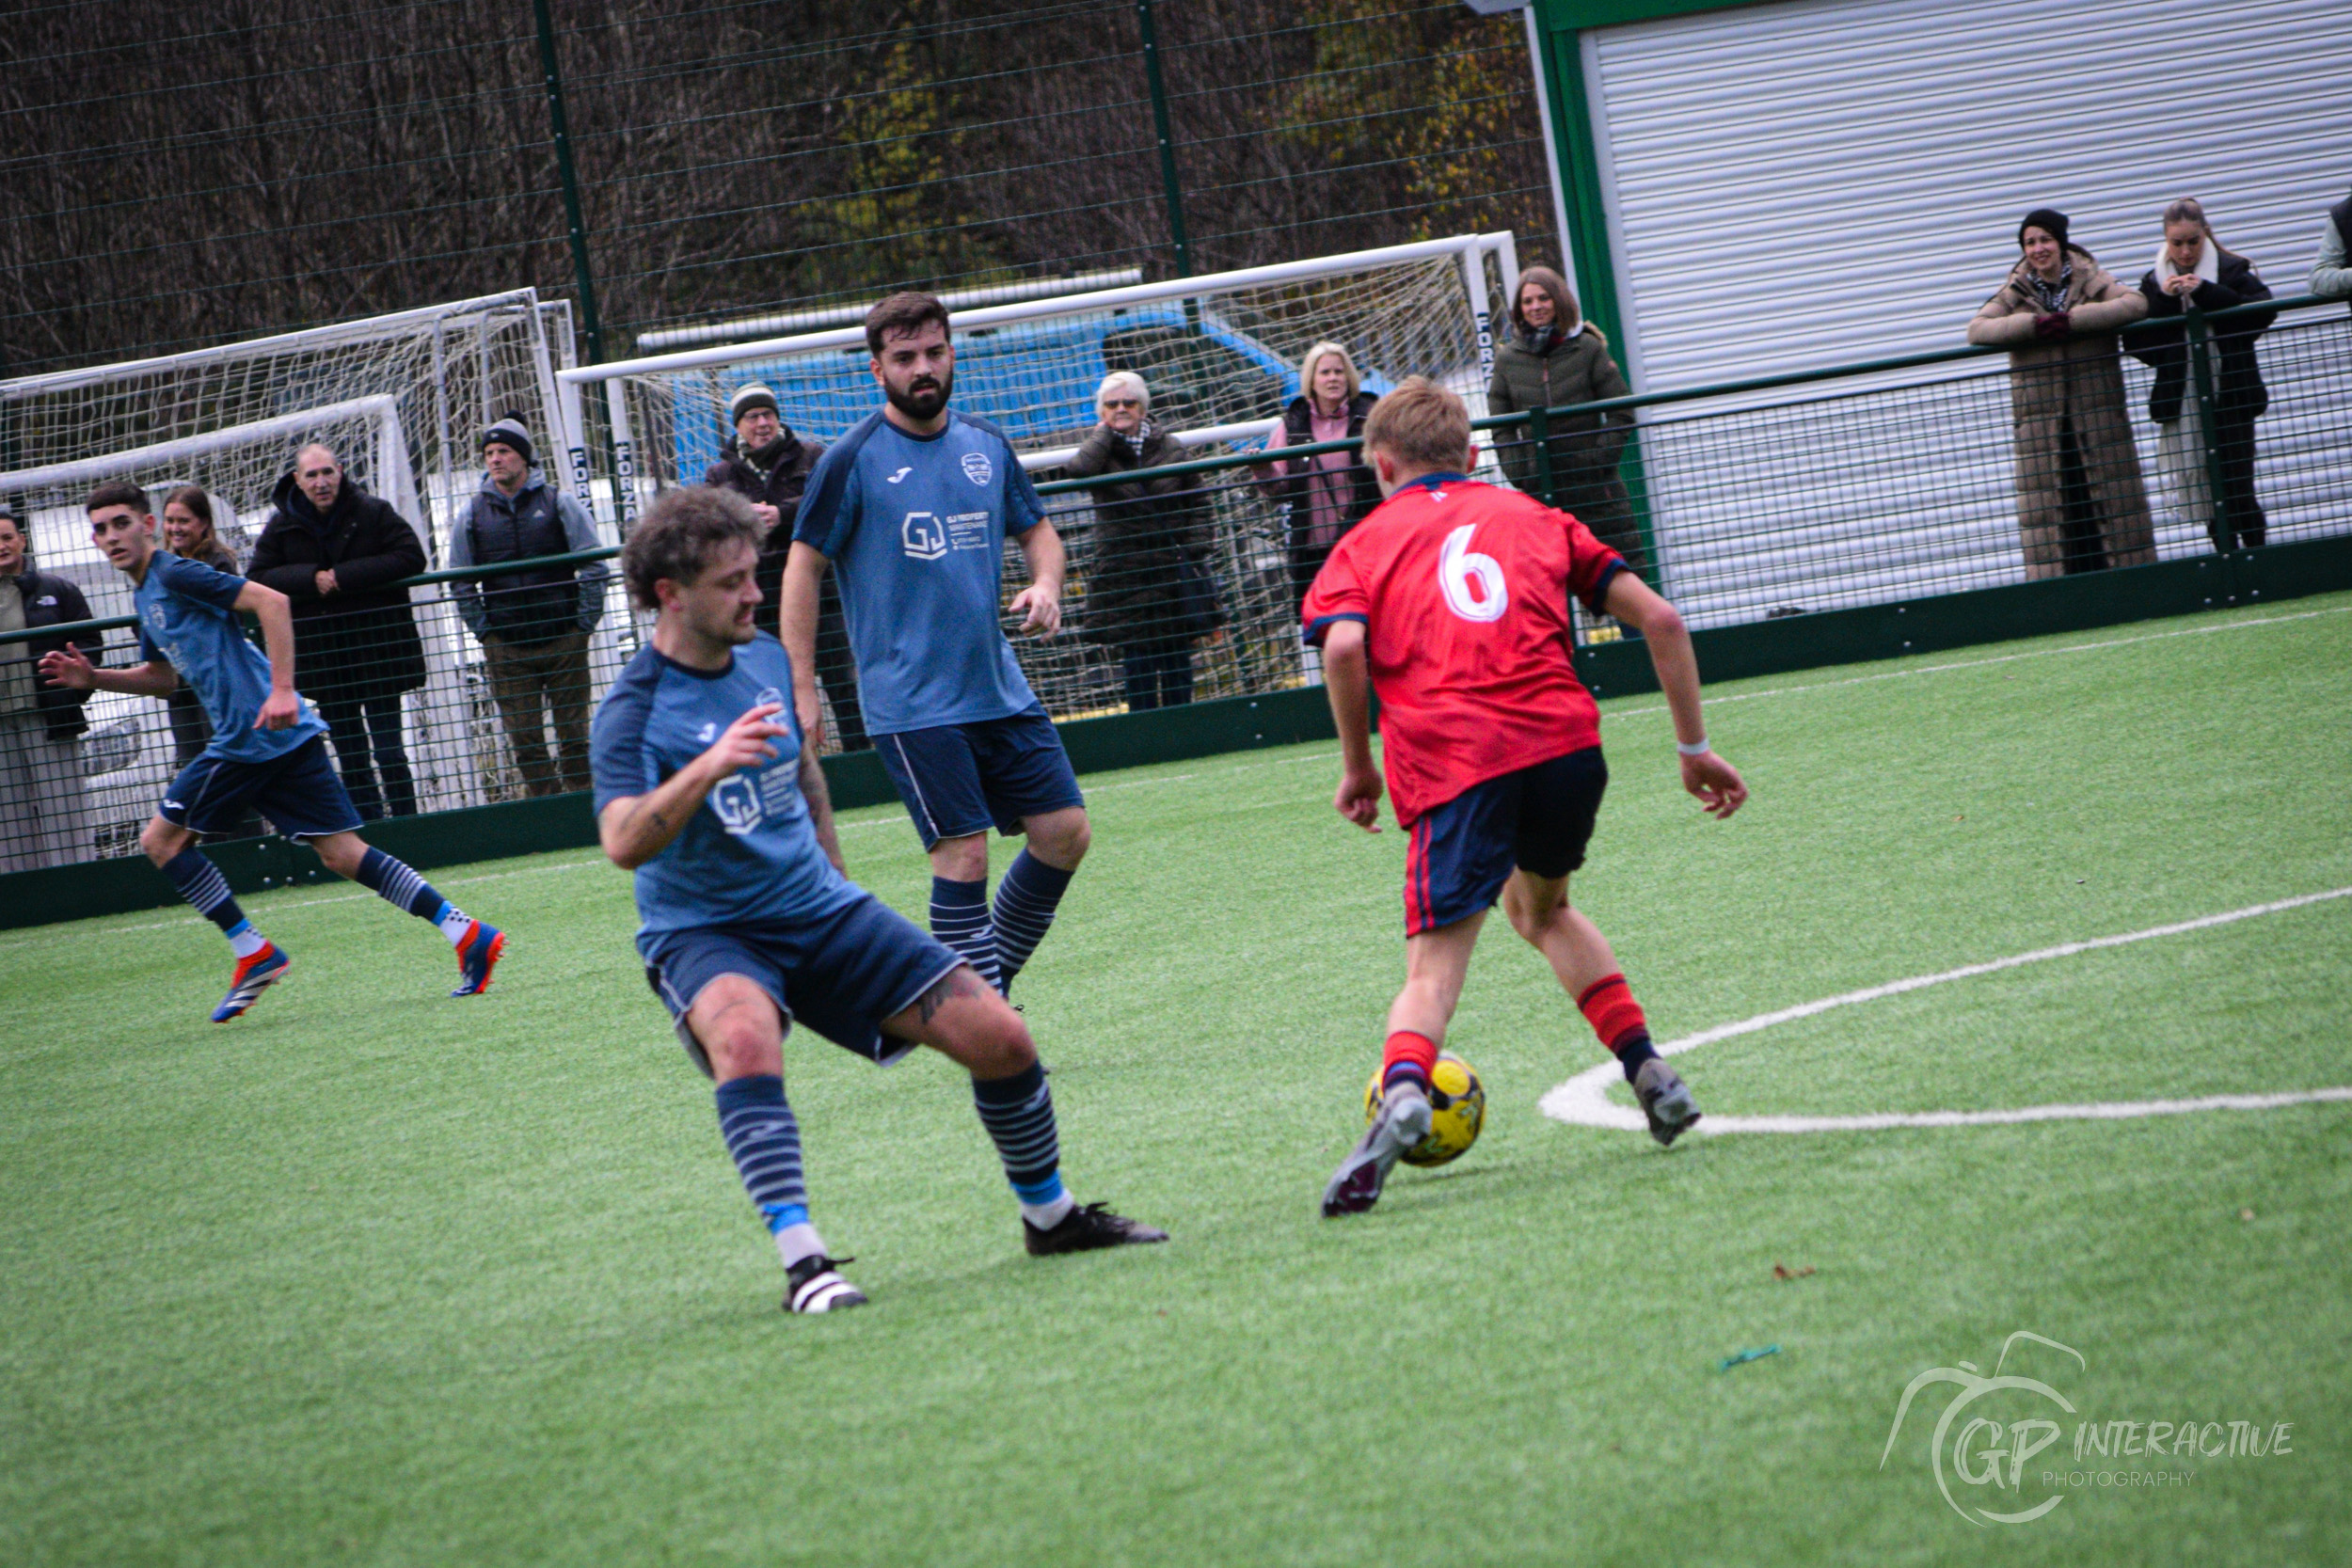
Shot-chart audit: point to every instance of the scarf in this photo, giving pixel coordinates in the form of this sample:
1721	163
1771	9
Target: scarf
2052	296
1541	341
1136	437
763	461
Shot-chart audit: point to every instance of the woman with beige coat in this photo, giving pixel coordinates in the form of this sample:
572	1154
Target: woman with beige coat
2080	503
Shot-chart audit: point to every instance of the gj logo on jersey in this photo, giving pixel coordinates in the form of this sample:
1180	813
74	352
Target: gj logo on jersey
736	803
977	469
923	536
1472	583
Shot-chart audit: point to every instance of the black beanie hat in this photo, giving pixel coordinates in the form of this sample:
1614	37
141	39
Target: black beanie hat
751	397
2048	220
509	432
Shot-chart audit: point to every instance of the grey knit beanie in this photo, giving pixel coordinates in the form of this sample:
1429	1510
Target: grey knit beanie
509	432
751	397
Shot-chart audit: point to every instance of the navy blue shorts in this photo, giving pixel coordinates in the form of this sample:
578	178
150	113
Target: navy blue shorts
300	793
1537	819
840	975
963	779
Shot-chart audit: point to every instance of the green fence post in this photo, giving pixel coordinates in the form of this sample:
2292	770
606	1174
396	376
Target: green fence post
591	324
2208	424
1174	192
1539	432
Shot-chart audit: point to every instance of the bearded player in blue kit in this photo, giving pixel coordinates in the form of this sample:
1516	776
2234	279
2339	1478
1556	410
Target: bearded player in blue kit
266	754
706	790
911	510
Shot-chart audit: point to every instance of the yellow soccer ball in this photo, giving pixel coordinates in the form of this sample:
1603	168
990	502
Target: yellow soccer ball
1459	1101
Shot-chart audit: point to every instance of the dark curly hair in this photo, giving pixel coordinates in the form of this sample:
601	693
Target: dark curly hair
678	535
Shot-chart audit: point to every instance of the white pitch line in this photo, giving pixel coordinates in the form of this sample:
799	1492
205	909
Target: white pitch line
1997	659
1583	1101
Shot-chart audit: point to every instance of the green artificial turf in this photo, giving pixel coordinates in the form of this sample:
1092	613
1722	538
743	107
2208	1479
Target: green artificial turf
376	1276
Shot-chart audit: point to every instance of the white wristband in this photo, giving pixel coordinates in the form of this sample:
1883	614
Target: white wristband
1694	748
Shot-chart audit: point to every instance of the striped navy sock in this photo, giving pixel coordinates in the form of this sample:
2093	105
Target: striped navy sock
398	884
1018	1113
960	919
765	1140
1026	901
201	884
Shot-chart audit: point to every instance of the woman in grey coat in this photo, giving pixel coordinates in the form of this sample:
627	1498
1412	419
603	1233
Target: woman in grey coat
1553	357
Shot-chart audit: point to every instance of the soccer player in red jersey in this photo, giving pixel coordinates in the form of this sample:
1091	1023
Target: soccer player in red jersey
1451	600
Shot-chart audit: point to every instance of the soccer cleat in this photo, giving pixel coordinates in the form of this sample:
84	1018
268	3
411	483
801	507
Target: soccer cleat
477	955
1086	1229
1403	1122
1665	1100
817	1287
254	976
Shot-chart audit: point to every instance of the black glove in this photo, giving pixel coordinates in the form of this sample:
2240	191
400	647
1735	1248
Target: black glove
2058	324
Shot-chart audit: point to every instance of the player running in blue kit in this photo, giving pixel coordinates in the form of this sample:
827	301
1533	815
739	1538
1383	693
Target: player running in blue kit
910	508
267	752
706	790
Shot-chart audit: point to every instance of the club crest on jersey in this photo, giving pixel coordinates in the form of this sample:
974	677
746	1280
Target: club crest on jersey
977	469
736	803
768	695
155	615
923	536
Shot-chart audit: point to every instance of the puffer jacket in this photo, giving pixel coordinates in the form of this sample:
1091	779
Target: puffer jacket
534	607
361	641
1145	533
2075	381
1553	370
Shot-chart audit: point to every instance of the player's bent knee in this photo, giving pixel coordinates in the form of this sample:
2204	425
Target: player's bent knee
961	860
740	1028
1061	838
163	839
341	853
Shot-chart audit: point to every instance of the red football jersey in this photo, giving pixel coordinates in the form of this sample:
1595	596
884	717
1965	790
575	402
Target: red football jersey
1463	589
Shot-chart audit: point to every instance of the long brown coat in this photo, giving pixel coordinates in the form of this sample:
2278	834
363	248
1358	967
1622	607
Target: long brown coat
2077	379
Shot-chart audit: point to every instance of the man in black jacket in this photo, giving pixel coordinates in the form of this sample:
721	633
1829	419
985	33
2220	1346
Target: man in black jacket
45	816
769	465
335	550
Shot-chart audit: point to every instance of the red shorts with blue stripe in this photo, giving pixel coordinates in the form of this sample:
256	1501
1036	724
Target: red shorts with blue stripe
1537	819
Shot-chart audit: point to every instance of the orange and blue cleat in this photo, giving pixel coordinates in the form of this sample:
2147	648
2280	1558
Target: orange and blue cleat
254	976
477	955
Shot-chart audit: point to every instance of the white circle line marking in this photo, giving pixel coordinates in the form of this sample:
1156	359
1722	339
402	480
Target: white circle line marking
1583	1101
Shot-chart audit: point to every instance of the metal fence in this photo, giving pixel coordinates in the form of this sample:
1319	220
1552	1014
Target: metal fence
1796	494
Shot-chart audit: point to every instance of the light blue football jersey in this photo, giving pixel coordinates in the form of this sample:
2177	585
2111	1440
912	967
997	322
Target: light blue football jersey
915	528
188	618
748	855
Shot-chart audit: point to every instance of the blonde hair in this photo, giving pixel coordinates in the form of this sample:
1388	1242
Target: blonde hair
1123	381
1314	358
1421	424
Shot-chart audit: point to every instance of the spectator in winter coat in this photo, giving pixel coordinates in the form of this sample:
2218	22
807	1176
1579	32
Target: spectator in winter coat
1330	493
45	816
336	551
1552	358
2080	506
534	625
2331	276
769	465
2192	268
190	535
1147	593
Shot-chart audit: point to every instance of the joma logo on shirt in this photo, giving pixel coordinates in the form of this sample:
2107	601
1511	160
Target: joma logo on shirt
923	536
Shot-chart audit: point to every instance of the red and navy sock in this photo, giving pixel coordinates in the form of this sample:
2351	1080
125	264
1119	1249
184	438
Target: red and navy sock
1609	1007
1407	1059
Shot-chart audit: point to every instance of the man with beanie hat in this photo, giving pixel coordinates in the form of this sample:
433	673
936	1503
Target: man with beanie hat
769	465
534	623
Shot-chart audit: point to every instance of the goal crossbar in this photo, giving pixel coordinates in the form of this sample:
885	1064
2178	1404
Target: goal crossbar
381	410
1098	299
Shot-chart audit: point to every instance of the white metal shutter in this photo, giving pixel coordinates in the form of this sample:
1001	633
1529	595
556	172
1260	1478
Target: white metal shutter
1823	182
1829	180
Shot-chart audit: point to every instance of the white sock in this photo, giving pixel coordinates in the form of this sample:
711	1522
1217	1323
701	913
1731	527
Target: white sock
796	1241
1047	1215
455	923
246	942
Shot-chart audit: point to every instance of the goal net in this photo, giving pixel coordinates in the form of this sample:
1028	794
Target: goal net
1220	355
451	369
